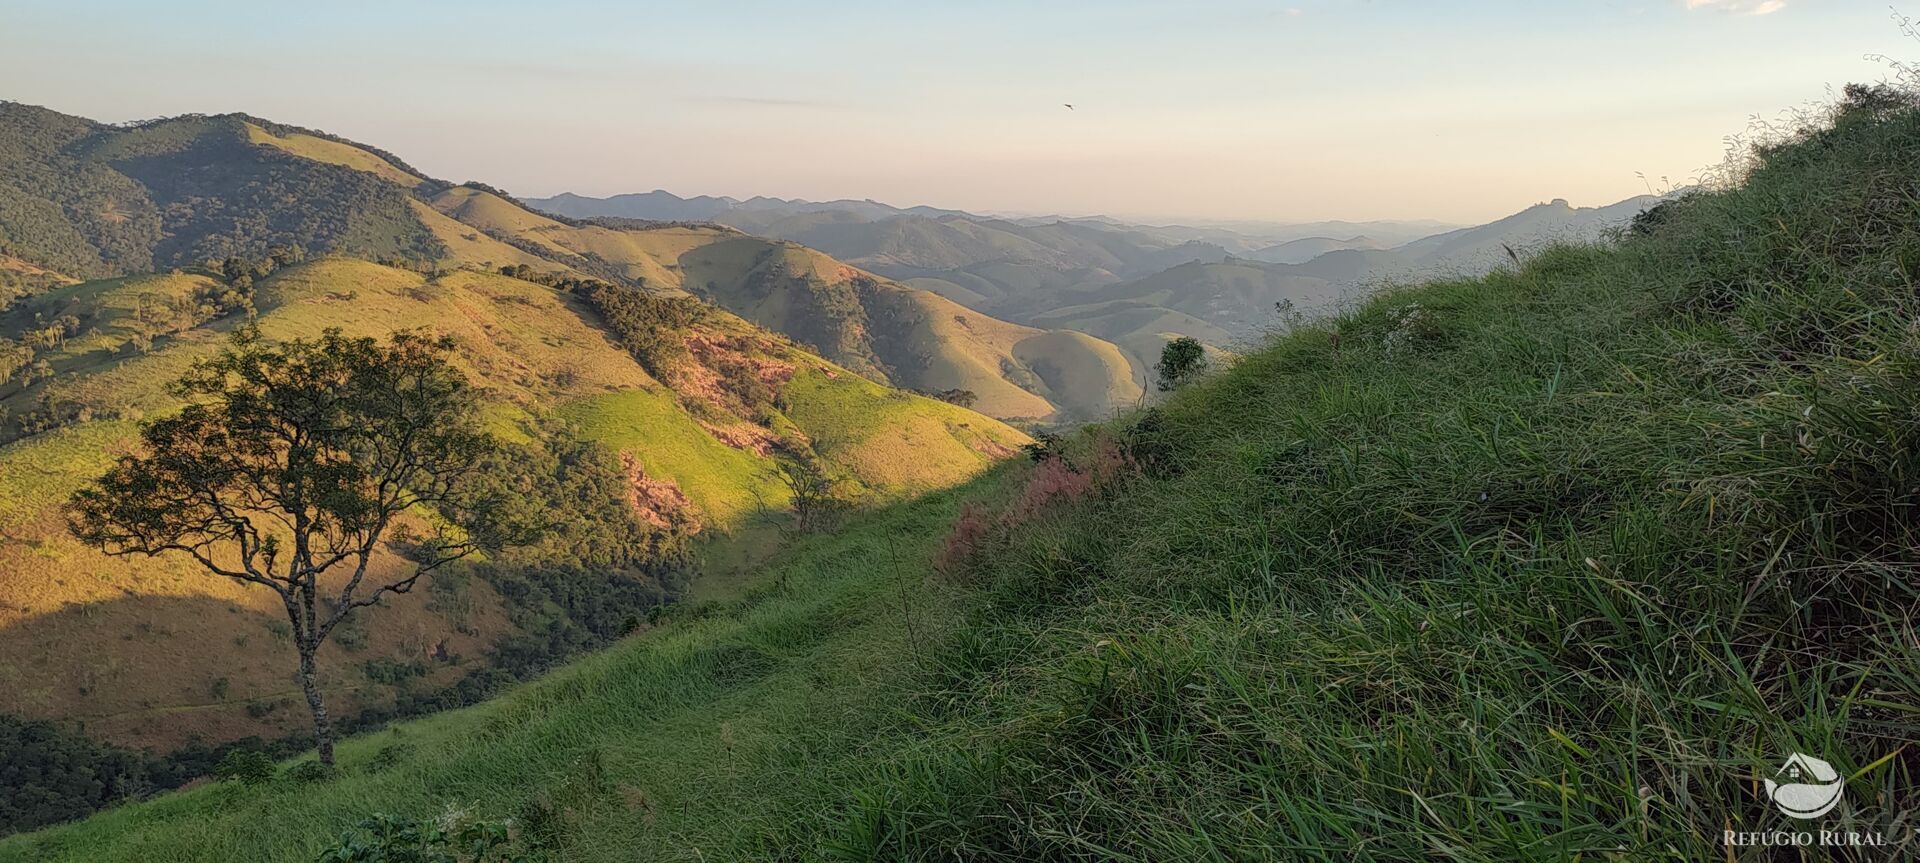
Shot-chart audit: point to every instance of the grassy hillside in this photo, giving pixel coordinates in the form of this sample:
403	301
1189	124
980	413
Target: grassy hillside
19	278
333	152
887	332
689	445
190	226
1551	564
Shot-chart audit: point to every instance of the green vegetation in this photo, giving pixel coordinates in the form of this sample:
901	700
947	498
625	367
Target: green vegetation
250	223
54	775
385	839
1552	564
1181	361
294	458
652	328
91	200
681	729
246	767
635	470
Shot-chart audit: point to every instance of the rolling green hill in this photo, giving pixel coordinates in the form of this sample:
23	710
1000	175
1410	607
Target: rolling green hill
129	252
696	441
1554	563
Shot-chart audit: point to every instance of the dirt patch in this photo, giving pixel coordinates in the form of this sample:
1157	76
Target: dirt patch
744	436
992	448
659	502
736	376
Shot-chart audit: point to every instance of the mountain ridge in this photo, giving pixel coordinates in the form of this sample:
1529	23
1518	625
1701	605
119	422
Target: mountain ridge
192	190
1035	270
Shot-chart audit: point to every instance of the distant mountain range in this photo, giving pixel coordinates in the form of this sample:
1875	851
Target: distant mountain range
760	215
1133	285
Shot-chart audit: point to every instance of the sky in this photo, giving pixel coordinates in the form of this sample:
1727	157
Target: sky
1204	110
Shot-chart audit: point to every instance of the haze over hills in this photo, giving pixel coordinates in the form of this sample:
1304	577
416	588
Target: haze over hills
1307	248
750	213
1135	285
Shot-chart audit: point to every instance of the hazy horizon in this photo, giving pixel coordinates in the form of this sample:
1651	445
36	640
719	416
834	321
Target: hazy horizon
1225	111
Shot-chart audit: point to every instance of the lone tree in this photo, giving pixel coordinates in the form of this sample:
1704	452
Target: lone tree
1182	360
818	501
293	459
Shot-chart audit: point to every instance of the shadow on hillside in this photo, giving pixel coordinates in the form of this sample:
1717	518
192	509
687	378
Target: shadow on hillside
168	671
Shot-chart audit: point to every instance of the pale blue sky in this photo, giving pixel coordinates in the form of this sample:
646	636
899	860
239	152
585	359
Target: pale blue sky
1290	110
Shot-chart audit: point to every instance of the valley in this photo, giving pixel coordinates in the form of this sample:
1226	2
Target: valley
1483	556
1026	433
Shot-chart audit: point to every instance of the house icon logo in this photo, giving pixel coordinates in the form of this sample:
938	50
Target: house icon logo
1805	787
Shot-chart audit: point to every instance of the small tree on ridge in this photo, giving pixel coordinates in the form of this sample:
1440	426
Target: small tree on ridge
1181	360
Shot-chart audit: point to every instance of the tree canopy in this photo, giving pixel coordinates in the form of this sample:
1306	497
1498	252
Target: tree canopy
295	458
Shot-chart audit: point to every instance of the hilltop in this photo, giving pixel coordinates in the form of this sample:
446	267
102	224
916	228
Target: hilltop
1552	563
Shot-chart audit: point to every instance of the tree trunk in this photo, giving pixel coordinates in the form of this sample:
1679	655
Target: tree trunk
322	726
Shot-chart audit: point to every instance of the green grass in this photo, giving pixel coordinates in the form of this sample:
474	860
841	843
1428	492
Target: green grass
535	352
1549	565
662	745
892	440
667	441
48	467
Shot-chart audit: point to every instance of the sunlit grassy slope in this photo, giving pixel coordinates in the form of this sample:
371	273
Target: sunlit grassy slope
468	245
534	351
1550	565
179	192
882	330
19	277
333	153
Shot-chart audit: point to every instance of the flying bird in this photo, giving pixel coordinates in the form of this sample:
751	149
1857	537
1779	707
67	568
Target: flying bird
1069	106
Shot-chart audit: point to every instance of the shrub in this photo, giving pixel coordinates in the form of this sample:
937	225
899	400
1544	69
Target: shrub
963	398
1181	360
245	767
970	534
1045	445
394	839
392	672
310	772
